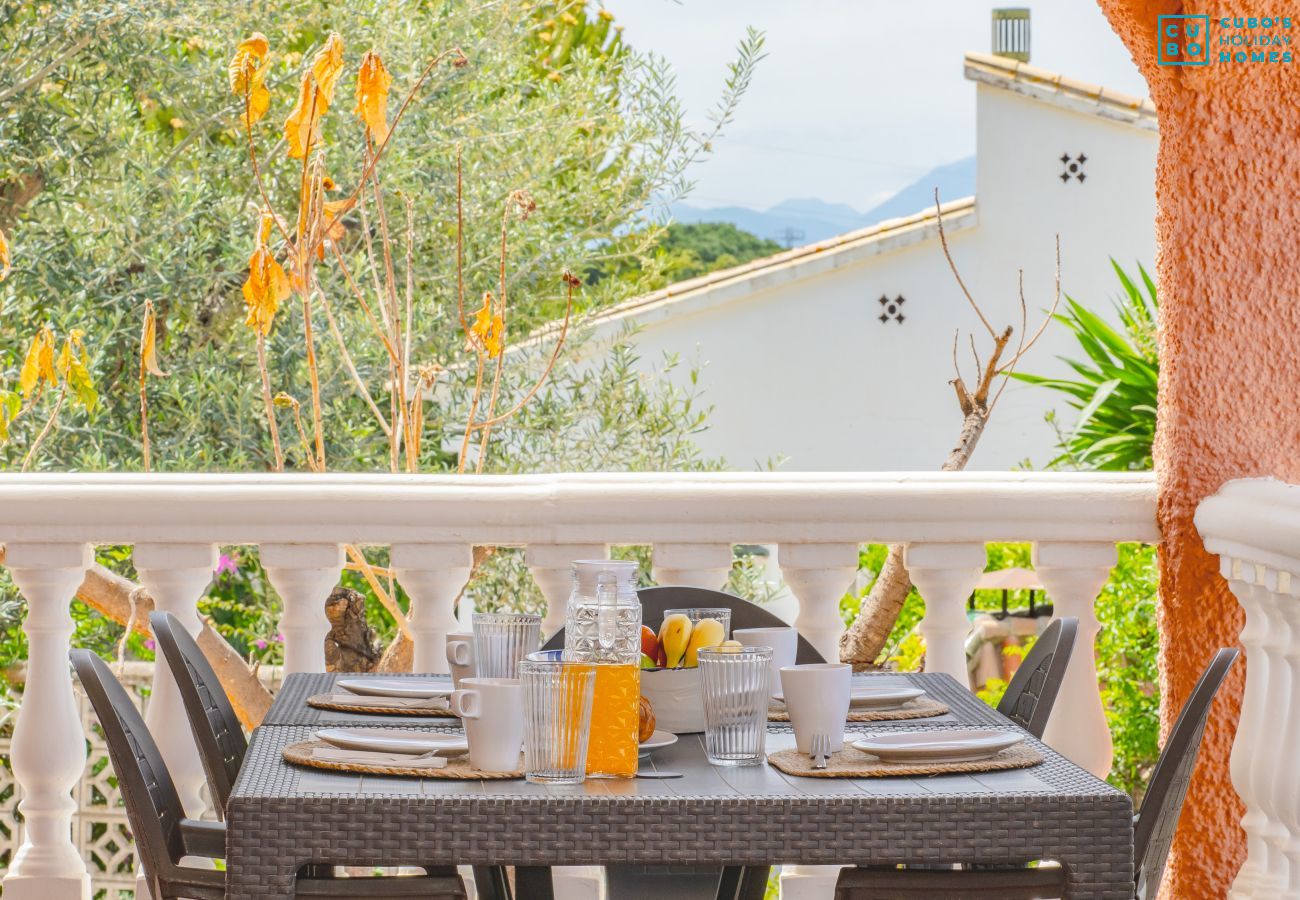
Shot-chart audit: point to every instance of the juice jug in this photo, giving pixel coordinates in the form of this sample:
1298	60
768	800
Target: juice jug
603	626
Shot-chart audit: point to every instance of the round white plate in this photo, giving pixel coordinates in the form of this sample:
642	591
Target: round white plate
938	746
657	741
393	740
865	697
410	688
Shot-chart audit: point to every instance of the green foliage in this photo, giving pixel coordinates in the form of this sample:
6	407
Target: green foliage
1115	391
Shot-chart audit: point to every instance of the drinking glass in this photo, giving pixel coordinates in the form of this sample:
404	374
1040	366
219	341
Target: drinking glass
501	640
557	719
734	681
721	613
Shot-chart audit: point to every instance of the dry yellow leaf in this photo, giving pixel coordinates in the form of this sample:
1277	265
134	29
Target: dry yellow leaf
373	82
267	283
149	343
488	329
76	375
326	67
38	365
5	261
334	210
247	73
302	128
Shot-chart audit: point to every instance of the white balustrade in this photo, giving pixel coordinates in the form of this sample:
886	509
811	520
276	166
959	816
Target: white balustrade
817	522
1074	574
303	575
1254	527
49	748
433	576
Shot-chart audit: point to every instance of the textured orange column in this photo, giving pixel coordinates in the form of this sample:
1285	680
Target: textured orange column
1228	231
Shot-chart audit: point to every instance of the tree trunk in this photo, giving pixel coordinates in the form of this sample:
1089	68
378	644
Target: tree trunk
351	645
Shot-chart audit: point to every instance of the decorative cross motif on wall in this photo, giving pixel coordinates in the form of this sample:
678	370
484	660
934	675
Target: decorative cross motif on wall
1073	166
891	309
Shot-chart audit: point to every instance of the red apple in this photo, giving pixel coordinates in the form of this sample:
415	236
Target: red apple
649	643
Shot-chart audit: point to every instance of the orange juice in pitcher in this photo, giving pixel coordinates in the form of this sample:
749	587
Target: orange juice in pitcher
603	626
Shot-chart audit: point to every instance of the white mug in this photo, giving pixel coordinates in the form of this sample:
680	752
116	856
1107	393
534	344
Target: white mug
784	642
460	656
492	710
817	701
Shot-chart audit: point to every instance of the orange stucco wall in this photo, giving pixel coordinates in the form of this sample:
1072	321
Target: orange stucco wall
1228	231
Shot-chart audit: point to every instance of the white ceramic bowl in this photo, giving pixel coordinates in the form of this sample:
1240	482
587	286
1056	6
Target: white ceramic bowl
676	697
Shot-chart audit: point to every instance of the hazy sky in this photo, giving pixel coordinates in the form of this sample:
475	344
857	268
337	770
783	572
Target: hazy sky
856	98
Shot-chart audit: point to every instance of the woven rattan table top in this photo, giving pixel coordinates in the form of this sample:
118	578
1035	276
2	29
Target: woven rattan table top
282	817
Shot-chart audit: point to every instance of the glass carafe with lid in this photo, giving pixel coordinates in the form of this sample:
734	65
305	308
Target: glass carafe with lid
603	626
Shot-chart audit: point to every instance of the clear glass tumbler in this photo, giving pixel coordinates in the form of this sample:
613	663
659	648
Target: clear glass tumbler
557	719
720	613
734	681
501	640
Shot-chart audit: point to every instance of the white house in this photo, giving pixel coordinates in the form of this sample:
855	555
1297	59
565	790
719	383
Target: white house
837	355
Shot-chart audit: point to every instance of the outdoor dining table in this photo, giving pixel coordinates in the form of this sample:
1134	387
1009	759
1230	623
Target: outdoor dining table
282	817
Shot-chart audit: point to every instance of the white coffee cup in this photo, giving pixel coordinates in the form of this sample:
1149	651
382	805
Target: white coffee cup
784	642
460	656
817	701
492	710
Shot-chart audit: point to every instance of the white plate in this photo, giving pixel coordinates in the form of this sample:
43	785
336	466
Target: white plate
938	746
864	697
393	740
410	688
658	741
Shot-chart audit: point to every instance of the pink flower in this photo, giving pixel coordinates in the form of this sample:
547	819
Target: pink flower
226	565
259	644
149	644
279	638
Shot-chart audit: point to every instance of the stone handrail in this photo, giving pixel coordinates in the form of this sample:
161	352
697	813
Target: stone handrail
1253	525
49	523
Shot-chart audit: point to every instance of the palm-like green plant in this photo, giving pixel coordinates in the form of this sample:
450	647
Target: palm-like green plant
1115	391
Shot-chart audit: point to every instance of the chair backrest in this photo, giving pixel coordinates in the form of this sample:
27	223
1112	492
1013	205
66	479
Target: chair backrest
153	807
217	731
1167	789
655	600
1029	697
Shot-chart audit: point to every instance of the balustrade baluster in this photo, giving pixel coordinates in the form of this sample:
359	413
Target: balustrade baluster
48	752
175	576
1287	596
303	575
433	576
945	575
692	565
819	575
1074	574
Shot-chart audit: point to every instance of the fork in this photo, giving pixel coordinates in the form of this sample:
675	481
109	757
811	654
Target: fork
821	750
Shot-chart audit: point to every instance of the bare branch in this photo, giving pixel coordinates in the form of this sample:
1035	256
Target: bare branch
943	239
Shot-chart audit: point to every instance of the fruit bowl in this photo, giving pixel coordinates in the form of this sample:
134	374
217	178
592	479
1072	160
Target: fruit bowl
676	697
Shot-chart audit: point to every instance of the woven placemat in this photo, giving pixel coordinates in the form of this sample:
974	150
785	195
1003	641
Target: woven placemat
457	769
323	701
920	708
851	763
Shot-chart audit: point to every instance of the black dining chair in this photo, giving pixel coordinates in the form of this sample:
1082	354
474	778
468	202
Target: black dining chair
687	883
1032	692
219	735
1153	828
217	731
163	836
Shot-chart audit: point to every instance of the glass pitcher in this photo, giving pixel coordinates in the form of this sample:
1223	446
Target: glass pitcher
603	625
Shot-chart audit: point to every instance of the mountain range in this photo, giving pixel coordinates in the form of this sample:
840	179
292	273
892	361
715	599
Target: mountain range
801	221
